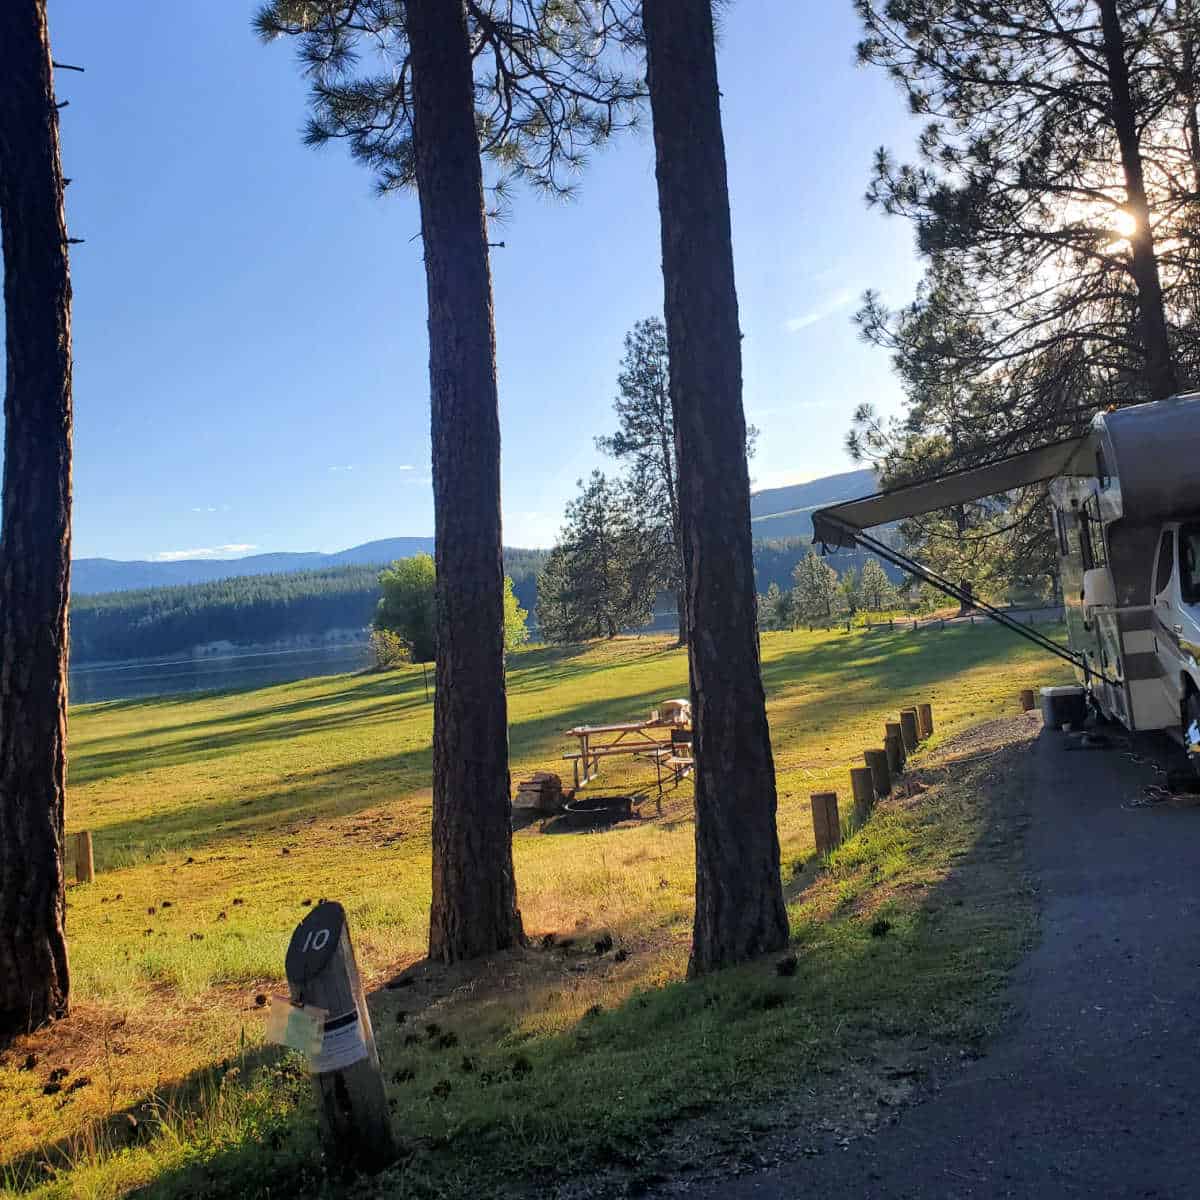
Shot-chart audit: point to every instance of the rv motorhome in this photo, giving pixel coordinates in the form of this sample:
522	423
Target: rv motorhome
1125	504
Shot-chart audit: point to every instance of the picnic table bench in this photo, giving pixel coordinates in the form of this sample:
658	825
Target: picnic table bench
632	738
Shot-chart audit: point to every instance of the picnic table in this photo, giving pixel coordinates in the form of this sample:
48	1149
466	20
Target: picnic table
635	738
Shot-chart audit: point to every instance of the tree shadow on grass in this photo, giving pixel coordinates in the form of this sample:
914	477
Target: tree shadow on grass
348	788
892	967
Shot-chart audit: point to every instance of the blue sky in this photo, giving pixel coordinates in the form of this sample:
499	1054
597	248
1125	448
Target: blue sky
249	319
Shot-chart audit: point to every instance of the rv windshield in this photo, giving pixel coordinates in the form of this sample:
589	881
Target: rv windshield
1189	563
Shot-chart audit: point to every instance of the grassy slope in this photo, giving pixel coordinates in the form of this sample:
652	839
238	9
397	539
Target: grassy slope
238	808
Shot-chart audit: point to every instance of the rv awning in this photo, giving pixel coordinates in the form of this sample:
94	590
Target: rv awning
837	524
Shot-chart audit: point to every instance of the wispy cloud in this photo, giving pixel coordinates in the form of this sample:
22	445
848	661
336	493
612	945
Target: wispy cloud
234	550
203	509
834	304
347	468
405	467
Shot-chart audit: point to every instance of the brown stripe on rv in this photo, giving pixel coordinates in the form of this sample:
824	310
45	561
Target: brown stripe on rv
1142	666
1135	622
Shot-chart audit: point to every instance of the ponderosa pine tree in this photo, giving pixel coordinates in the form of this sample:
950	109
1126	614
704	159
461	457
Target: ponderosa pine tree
645	442
815	595
530	87
598	579
35	529
874	586
1055	173
739	893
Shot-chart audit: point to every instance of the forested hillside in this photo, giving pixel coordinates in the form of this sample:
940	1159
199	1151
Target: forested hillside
246	609
256	609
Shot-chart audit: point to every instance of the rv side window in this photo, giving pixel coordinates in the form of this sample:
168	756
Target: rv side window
1166	562
1102	469
1085	540
1060	529
1091	535
1189	563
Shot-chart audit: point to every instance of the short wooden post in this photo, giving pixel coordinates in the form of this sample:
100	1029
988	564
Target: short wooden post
908	729
881	775
925	720
1027	701
827	828
425	676
894	748
862	784
322	972
892	729
85	864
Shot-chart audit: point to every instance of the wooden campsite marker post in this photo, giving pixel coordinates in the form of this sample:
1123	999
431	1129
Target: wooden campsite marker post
827	828
892	729
894	749
881	775
863	786
85	864
925	720
321	972
1027	699
908	729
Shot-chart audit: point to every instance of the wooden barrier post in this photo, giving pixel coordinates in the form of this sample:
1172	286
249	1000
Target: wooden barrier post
908	730
1027	701
827	828
881	775
892	729
862	784
925	720
322	972
894	748
85	864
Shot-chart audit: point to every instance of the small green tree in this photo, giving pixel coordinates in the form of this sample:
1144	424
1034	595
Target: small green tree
775	608
815	594
389	649
875	587
516	631
407	605
850	591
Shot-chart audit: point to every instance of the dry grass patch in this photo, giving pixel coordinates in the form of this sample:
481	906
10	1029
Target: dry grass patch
239	808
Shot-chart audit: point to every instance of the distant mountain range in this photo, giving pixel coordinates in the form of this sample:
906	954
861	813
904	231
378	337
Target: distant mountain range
775	513
786	512
90	575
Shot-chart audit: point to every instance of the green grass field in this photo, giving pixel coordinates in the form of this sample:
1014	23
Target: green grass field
218	819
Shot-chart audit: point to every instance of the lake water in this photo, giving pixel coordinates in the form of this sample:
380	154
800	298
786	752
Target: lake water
138	679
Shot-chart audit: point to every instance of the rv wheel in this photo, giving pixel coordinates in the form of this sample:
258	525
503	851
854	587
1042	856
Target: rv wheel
1191	730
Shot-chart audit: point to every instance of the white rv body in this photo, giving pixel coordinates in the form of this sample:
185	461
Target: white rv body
1127	521
1125	499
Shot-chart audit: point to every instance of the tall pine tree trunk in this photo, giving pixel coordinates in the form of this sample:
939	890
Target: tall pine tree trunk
35	535
1159	370
739	895
474	908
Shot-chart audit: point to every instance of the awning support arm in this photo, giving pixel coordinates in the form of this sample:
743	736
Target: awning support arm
956	592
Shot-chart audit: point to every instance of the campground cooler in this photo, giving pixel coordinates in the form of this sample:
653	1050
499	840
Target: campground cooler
1063	706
